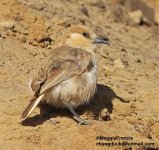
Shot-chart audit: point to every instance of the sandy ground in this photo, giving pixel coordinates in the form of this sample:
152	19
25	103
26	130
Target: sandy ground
127	100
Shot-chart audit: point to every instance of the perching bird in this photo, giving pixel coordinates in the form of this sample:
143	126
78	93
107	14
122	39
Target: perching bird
69	75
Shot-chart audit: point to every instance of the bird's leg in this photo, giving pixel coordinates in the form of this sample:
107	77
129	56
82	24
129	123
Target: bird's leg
77	117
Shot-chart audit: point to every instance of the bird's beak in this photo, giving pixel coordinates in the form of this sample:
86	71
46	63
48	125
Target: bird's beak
101	40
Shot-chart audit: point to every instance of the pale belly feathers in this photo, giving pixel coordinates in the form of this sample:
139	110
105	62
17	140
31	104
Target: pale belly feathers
77	90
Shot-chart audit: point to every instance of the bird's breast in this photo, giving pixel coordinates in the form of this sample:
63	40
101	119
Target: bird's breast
77	90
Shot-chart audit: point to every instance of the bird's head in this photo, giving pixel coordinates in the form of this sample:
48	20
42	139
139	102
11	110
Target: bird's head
83	37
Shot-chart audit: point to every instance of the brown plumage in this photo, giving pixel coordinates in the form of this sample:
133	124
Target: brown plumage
68	76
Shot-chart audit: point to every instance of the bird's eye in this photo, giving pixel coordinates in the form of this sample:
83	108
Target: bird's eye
86	34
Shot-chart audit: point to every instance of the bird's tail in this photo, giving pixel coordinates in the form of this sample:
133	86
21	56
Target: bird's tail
32	105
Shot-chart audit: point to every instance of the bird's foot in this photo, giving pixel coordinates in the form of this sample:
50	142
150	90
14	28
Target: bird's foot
81	121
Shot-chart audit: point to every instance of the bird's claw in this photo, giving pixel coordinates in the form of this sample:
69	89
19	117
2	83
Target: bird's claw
82	122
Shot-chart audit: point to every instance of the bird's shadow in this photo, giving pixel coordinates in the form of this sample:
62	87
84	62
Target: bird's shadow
102	100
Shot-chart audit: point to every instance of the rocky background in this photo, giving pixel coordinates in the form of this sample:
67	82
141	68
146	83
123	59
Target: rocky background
127	100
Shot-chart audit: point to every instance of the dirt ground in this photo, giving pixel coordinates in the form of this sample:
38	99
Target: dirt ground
127	101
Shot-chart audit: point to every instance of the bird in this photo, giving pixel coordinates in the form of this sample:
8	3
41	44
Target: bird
68	76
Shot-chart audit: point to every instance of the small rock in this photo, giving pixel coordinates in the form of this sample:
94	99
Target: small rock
154	4
66	23
148	12
157	18
85	11
7	24
43	39
100	4
157	14
104	115
136	16
119	64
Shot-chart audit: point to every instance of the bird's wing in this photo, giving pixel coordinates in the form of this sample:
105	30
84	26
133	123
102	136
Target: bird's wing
62	64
